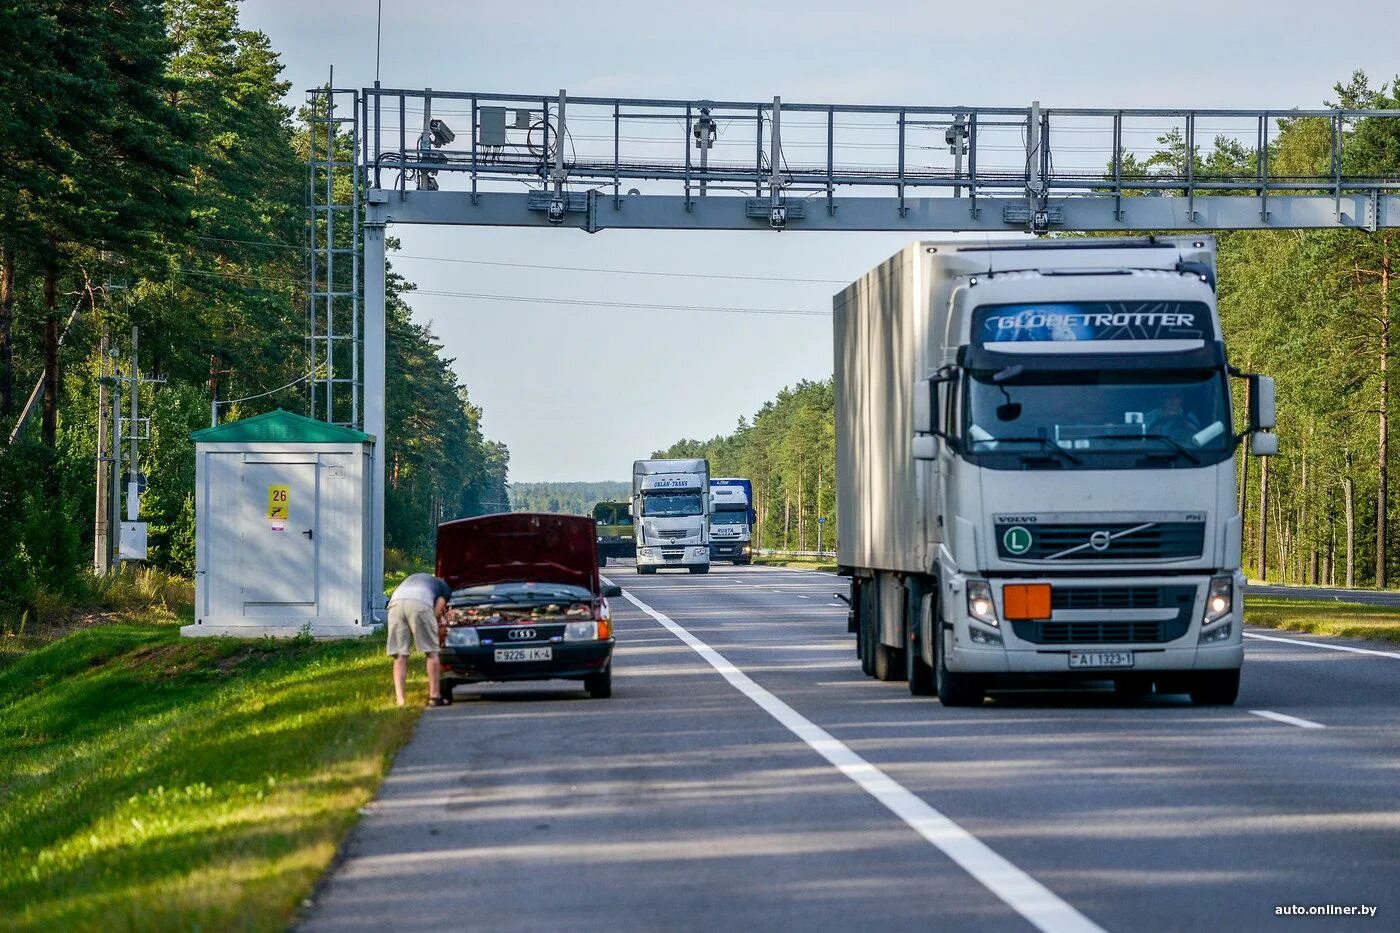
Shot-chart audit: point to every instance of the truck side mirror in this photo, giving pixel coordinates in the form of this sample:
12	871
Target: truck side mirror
1262	395
925	406
1262	444
925	447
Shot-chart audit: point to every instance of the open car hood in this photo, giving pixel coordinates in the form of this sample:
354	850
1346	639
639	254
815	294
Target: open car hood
520	547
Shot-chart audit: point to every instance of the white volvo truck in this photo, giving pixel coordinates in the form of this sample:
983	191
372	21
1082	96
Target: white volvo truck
1036	452
670	514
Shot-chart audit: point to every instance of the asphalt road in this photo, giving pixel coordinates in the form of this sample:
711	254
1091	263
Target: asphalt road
746	775
1327	594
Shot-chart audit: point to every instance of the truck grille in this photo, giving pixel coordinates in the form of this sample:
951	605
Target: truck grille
1111	631
1125	541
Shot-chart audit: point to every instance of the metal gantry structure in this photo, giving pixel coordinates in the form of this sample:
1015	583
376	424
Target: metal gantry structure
594	163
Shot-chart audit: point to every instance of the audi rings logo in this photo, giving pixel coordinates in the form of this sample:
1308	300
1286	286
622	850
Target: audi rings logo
521	634
1100	540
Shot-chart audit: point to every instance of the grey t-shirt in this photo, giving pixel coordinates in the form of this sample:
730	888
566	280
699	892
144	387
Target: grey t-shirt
424	587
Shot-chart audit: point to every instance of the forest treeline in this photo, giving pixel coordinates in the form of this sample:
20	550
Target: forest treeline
566	498
152	176
1314	308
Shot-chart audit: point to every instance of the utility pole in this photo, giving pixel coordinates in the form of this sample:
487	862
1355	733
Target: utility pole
102	533
957	145
133	484
704	139
114	469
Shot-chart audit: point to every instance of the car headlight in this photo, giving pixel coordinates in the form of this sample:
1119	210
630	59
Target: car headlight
581	631
1220	600
463	636
979	602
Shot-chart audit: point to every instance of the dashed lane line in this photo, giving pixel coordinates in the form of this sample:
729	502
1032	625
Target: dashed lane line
1022	893
1287	720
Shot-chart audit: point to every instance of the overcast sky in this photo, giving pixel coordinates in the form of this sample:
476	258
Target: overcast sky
577	393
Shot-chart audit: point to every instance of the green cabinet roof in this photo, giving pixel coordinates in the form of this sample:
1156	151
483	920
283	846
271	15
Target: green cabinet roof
280	427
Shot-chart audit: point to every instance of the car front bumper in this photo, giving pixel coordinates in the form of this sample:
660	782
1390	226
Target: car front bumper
571	661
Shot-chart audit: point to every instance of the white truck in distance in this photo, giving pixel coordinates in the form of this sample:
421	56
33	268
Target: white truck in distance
670	510
731	519
1036	463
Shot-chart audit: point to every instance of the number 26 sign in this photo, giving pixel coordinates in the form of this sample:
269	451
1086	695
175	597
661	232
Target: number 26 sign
278	506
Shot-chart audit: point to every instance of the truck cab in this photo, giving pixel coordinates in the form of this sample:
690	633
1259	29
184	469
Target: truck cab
616	534
671	510
731	520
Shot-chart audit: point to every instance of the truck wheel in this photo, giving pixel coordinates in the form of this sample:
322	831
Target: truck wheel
599	686
864	641
703	568
888	662
1215	688
919	674
646	570
955	689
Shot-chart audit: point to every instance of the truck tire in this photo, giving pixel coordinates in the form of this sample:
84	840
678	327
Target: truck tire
1132	687
646	570
865	627
919	674
888	663
955	689
703	568
1215	688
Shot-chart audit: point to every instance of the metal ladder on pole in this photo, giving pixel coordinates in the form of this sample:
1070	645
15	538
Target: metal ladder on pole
334	276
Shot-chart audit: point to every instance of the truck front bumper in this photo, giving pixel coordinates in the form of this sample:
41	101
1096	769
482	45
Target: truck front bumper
686	555
729	550
1156	622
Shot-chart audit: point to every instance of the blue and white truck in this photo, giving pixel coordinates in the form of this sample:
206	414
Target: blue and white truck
1036	452
731	519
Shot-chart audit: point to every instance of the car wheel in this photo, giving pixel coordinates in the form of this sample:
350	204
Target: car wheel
599	686
602	560
1215	688
954	689
919	674
445	688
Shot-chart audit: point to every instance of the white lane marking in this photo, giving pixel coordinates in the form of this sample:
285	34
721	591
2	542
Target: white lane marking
800	596
1287	720
1022	893
1318	644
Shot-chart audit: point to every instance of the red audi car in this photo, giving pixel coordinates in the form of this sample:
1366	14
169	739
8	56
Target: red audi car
527	601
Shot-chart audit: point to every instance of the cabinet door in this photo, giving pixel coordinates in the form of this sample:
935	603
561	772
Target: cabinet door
278	521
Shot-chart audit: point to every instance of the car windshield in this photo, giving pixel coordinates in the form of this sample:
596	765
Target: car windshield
671	505
729	518
491	593
1063	415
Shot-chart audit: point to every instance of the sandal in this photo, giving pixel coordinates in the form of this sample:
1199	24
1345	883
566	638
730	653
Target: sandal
439	701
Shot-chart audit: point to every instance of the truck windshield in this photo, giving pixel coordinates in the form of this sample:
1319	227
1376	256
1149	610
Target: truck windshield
729	518
1180	416
671	505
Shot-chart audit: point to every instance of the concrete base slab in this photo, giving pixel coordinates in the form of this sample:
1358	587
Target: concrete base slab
320	630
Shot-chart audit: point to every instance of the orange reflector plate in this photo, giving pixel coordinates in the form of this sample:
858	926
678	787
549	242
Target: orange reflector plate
1026	600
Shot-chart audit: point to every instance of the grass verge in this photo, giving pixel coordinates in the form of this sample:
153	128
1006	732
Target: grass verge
1345	620
795	563
154	782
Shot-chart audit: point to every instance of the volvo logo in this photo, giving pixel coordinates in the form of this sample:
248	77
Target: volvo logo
1100	540
521	634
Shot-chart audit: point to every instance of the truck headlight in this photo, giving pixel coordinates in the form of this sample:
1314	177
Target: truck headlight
581	631
979	602
463	636
1220	600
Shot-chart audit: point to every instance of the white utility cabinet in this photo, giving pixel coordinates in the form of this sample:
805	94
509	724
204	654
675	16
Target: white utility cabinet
282	528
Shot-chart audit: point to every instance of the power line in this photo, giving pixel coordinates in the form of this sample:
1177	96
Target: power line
680	275
639	306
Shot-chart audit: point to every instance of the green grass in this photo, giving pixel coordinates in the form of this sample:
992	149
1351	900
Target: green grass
1345	620
795	563
153	782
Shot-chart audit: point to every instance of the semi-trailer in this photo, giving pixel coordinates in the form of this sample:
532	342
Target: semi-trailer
670	514
731	519
1036	463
